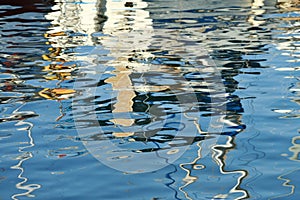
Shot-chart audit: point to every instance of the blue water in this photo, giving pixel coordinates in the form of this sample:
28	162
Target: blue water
149	99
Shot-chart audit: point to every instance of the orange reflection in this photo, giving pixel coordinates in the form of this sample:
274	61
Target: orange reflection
59	71
53	55
57	93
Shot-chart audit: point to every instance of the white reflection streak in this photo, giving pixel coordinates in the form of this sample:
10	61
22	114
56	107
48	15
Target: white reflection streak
25	156
188	178
286	184
295	149
217	156
289	37
256	9
75	16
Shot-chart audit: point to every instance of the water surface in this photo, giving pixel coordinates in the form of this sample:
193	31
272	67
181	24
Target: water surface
150	77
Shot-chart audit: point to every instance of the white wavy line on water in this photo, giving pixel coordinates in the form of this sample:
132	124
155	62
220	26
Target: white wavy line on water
25	156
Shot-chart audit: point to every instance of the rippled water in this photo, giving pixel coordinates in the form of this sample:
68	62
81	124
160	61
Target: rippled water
149	99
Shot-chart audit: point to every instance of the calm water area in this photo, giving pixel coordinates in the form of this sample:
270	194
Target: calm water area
149	99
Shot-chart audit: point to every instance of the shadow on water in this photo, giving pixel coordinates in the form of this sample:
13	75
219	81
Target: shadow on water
152	78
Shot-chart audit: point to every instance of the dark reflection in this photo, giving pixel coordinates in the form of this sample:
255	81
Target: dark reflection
24	7
22	45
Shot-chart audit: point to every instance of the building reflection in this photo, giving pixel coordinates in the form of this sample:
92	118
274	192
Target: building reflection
135	44
291	5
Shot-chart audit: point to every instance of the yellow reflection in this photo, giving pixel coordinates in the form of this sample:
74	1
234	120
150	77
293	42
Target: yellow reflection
123	134
59	71
122	83
57	93
73	23
286	184
73	17
54	55
295	149
290	5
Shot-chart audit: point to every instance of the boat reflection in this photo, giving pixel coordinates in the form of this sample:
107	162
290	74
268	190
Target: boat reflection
219	151
25	153
143	68
141	52
146	83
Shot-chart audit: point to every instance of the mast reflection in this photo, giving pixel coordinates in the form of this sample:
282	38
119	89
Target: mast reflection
219	155
25	156
131	30
189	179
